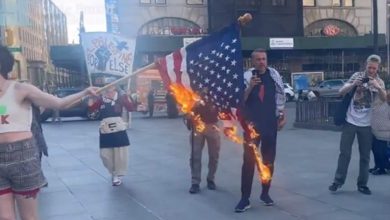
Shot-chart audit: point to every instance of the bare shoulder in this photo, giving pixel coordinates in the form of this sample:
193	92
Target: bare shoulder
23	89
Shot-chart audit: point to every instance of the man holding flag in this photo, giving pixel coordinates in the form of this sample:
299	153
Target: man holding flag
263	108
212	69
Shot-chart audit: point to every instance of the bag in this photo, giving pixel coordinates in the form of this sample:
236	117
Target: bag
342	108
112	125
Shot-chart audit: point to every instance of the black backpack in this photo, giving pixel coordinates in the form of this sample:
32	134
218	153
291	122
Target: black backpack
342	108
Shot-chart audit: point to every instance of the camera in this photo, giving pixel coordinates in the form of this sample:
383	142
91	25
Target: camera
365	80
256	73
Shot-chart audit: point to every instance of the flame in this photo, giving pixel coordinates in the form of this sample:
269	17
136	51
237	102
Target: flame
252	132
222	115
187	99
184	97
231	134
199	124
264	171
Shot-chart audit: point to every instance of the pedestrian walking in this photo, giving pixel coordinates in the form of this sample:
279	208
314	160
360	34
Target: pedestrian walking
113	139
151	96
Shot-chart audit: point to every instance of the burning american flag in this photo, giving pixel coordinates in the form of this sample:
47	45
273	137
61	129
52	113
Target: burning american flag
213	64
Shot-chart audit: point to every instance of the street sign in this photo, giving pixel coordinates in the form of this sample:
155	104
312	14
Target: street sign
281	43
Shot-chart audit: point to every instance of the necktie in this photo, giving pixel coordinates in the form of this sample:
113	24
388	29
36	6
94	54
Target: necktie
261	92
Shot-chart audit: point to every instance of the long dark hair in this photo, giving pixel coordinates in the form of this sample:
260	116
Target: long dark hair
6	61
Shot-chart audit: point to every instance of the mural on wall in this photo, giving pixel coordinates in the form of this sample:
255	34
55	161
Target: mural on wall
330	28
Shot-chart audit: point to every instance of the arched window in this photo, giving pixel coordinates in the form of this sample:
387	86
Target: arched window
330	28
170	26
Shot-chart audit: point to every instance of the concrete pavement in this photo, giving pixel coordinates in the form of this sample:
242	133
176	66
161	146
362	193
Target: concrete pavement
159	178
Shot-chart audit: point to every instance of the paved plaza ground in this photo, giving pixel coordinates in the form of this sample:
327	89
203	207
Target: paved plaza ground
156	187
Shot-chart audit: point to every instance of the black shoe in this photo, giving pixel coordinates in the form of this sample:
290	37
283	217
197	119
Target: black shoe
334	187
379	172
194	189
372	169
364	189
211	185
243	205
267	200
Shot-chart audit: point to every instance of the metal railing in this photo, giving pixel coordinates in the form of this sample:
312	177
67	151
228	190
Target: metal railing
316	114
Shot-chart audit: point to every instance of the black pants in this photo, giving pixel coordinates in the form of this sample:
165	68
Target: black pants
268	151
379	149
151	109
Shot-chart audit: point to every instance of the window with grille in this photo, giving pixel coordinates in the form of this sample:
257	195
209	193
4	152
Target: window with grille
170	26
349	3
336	2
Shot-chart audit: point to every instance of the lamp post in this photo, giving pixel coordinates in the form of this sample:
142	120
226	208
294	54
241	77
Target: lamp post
375	24
388	37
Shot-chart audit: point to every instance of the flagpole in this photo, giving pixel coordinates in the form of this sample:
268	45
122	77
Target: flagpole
243	20
100	90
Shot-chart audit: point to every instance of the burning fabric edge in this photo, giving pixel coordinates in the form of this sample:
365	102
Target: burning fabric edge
187	99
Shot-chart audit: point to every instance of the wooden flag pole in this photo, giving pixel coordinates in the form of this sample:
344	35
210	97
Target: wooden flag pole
100	90
243	20
143	69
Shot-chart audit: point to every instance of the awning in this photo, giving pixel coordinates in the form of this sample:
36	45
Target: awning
150	44
70	57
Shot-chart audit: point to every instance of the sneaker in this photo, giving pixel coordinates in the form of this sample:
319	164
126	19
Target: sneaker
116	180
379	172
194	189
364	189
267	200
211	185
334	187
242	206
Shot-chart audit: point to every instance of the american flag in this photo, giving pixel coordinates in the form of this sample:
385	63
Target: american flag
213	62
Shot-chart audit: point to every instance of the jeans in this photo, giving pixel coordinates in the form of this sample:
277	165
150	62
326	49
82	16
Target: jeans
379	150
364	137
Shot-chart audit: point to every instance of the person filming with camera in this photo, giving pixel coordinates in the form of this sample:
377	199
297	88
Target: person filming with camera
368	91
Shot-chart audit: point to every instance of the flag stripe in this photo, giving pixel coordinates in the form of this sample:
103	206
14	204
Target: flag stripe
177	60
162	66
185	78
170	67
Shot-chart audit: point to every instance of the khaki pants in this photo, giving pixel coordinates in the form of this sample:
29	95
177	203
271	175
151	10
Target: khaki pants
211	135
115	160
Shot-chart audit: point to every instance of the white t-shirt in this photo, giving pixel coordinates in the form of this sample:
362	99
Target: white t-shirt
359	111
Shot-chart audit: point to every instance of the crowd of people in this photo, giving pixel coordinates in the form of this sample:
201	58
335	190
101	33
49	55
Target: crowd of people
263	106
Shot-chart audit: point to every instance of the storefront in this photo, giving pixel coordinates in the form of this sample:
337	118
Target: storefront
337	57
